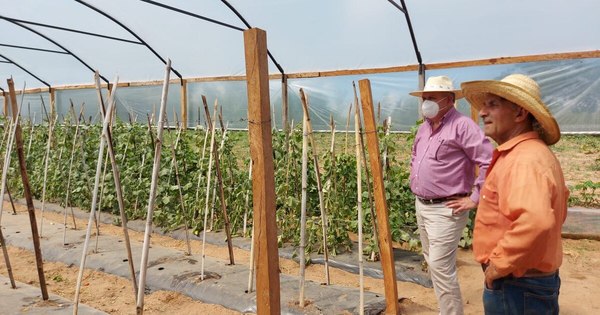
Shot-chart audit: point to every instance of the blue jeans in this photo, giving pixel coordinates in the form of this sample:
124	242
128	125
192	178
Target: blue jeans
527	295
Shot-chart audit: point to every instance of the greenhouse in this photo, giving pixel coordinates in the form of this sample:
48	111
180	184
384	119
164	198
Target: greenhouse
254	156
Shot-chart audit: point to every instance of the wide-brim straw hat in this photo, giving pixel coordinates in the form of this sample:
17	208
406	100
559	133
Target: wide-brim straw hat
521	90
438	84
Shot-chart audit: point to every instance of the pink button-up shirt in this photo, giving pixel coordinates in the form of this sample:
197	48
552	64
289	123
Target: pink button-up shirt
443	161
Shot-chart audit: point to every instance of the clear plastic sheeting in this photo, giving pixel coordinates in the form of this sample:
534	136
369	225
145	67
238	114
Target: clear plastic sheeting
570	88
302	35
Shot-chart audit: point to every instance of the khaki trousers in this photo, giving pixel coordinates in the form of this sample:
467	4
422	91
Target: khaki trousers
440	231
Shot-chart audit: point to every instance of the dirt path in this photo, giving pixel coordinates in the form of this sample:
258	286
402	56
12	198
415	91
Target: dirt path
114	295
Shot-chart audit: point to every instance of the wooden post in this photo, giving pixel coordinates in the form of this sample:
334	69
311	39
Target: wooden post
383	225
284	104
263	174
184	111
27	193
5	104
52	101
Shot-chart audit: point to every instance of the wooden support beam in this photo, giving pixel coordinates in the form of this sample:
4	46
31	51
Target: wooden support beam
27	192
263	174
383	224
184	107
52	102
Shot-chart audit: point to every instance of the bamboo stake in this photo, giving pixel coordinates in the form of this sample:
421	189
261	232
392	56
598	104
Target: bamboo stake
7	261
46	161
368	176
208	175
184	213
7	155
247	200
324	223
212	213
99	209
222	196
302	250
103	137
27	194
197	211
347	127
117	180
68	192
251	264
7	158
387	128
153	188
357	140
30	136
6	132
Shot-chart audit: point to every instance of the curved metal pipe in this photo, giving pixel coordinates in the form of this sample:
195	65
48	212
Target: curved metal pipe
29	72
55	43
132	33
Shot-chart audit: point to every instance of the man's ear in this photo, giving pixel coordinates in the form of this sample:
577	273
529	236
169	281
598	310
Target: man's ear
522	114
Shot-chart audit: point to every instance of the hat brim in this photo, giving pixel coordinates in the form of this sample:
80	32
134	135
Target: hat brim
458	94
475	92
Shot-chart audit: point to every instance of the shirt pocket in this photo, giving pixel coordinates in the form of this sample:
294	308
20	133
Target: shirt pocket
441	150
488	199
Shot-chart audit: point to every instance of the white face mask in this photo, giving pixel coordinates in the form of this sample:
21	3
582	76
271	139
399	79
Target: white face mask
430	108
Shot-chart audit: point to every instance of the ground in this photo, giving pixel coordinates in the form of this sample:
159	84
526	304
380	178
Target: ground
114	295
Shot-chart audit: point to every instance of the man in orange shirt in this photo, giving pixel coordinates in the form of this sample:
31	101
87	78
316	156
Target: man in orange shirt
523	202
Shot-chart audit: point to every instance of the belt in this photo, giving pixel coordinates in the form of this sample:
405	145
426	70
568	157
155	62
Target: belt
529	273
429	201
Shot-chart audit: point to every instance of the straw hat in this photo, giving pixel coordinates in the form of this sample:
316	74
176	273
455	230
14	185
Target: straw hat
521	90
438	84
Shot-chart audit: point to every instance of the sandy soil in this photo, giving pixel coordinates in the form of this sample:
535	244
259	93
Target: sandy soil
114	295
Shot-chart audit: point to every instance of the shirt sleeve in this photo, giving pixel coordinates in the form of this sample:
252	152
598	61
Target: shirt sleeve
525	201
478	149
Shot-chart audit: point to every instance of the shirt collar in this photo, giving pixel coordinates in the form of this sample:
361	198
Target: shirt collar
508	145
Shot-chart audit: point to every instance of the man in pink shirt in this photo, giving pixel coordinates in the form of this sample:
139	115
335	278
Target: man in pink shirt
447	147
523	204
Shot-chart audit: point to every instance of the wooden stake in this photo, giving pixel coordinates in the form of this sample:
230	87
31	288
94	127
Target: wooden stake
117	180
347	127
46	161
247	199
263	178
197	210
302	249
68	192
7	155
211	127
30	135
7	260
363	158
357	150
385	237
27	193
103	137
184	109
221	191
153	189
324	222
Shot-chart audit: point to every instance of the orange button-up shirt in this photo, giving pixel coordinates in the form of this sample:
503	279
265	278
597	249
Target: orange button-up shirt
522	208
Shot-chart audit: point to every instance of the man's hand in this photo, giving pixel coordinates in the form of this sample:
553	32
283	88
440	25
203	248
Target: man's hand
491	274
460	205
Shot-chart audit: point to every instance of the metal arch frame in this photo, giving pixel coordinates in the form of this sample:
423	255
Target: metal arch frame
132	33
168	7
73	30
404	10
35	48
55	43
29	72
